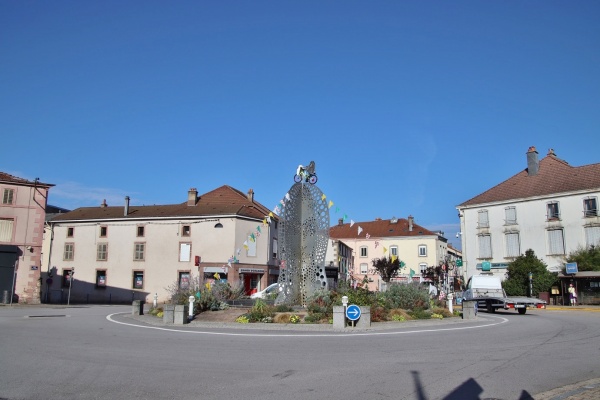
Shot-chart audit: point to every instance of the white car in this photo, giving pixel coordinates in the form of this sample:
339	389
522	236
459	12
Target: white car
272	288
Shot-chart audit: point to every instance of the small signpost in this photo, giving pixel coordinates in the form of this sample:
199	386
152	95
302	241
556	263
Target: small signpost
353	313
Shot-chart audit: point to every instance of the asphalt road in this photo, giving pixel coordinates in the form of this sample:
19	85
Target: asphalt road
77	353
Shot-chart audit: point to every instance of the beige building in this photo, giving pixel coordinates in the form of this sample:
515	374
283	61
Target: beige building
22	214
417	247
125	253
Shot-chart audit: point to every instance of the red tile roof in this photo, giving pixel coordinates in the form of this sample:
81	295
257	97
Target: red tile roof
379	228
554	176
8	178
221	201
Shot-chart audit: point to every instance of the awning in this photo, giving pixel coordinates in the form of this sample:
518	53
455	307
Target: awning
212	270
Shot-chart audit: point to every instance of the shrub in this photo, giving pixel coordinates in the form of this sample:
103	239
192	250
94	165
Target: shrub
260	311
398	318
398	314
320	305
379	314
283	308
444	312
294	319
419	313
407	296
242	319
283	318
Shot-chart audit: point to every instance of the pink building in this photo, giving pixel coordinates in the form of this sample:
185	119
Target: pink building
22	219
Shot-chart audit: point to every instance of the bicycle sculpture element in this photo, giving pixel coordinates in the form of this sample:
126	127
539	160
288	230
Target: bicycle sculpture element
303	237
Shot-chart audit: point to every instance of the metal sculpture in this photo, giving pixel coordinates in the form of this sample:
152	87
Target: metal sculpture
303	237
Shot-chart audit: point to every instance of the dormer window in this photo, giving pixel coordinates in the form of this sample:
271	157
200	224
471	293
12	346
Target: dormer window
553	211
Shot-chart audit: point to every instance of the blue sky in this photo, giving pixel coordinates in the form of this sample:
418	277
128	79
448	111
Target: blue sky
407	107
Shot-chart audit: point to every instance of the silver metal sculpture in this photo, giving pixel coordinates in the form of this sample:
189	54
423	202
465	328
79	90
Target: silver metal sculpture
303	237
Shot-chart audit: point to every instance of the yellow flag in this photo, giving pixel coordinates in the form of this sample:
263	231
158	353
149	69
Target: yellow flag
323	197
384	249
330	203
394	258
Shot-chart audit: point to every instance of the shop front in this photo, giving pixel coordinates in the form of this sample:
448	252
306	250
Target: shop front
253	279
214	274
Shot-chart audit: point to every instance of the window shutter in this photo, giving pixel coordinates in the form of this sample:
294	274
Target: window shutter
511	215
592	235
512	245
483	219
6	230
556	241
485	246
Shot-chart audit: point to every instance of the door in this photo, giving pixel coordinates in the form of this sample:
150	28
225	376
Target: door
8	262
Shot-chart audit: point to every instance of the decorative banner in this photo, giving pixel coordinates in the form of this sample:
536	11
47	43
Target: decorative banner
258	229
323	197
359	230
337	209
394	258
384	250
330	203
412	273
252	237
351	223
345	217
287	196
368	236
376	243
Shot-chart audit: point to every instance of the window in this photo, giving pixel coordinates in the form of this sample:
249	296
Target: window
556	243
363	251
184	280
6	230
101	278
251	250
485	246
66	277
510	215
185	230
394	250
553	211
590	207
364	268
275	250
422	250
512	245
185	252
138	279
7	196
592	236
102	253
139	250
70	232
482	219
140	231
69	252
423	268
218	225
103	231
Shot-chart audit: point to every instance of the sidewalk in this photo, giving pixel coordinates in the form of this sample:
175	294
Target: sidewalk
587	390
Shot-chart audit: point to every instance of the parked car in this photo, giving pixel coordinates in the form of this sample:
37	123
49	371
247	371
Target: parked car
269	290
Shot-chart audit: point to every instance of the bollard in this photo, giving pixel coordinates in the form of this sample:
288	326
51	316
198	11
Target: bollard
137	307
180	316
450	298
469	309
169	313
191	300
5	297
155	302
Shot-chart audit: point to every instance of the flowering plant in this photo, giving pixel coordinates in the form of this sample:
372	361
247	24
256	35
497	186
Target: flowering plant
294	319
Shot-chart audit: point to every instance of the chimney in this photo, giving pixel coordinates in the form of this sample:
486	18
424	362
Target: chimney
341	221
533	164
192	197
411	220
103	205
251	195
126	212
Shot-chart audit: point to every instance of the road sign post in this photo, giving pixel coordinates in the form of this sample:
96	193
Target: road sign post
353	313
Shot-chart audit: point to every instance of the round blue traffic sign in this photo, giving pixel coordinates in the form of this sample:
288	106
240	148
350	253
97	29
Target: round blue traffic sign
353	312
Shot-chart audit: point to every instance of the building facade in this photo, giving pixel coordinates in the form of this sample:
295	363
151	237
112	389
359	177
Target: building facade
415	246
119	254
22	215
550	207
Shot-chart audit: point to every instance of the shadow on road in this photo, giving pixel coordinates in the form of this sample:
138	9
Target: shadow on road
468	390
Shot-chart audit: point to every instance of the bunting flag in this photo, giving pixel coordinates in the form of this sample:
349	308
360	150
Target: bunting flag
282	202
271	215
394	258
412	273
376	243
238	253
252	237
265	222
277	210
384	249
337	209
368	236
282	264
359	230
345	217
323	197
207	285
217	276
287	196
257	234
330	203
258	229
351	223
246	245
269	220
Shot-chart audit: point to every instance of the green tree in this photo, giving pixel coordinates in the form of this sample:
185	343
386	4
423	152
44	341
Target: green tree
587	258
387	268
517	281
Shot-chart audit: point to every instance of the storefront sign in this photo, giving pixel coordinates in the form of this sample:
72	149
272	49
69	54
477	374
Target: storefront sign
251	271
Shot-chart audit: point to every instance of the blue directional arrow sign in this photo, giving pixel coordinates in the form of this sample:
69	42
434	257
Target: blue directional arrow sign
353	312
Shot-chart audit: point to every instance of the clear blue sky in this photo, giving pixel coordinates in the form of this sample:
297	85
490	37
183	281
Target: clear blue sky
407	107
